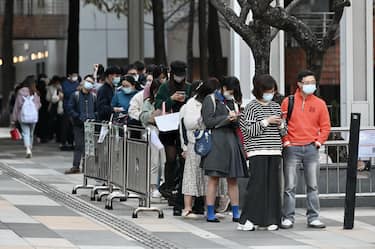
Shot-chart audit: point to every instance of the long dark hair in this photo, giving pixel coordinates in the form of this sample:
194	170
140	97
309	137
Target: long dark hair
205	88
30	82
153	90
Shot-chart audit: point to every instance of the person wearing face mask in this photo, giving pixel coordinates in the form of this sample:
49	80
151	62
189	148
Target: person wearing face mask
261	124
81	107
226	159
172	95
308	128
106	92
121	100
69	86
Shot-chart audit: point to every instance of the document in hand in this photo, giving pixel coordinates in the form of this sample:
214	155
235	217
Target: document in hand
168	122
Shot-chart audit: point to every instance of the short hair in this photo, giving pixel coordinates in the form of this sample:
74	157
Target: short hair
302	74
139	65
112	70
232	83
88	76
263	83
153	70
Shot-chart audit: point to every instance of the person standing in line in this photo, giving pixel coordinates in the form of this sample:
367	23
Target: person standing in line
261	125
308	128
106	93
226	158
81	107
25	111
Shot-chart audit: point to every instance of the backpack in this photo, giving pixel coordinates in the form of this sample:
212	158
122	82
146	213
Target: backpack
29	112
290	107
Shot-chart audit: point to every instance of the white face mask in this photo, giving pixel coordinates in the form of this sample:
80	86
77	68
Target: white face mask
74	78
227	95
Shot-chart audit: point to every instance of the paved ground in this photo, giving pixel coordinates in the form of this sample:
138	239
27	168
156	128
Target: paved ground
31	219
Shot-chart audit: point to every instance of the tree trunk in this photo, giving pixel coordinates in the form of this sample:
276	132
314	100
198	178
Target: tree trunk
72	61
159	38
261	48
190	51
203	61
8	70
314	61
216	63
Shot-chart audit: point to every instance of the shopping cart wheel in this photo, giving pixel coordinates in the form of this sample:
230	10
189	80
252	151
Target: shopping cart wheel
92	198
161	215
98	198
74	192
135	216
123	199
109	207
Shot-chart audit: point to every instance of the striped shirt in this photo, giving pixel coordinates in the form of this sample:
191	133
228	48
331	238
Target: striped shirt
260	138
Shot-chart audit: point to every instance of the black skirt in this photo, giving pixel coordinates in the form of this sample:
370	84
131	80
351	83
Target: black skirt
262	204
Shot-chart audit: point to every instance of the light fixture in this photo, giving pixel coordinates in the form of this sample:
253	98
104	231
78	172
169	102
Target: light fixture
15	59
33	56
45	54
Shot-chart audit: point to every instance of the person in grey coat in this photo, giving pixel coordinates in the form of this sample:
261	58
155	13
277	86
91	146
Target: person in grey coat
220	113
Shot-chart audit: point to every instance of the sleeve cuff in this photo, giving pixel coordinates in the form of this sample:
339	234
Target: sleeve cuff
264	123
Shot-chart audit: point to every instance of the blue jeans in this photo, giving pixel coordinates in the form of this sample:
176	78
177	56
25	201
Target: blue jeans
308	156
28	134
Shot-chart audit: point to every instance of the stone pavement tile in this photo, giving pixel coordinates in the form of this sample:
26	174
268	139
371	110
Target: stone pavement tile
30	200
47	211
11	214
12	185
49	242
69	223
16	247
110	247
188	240
367	219
3	226
283	247
358	233
39	172
10	238
96	238
324	238
32	230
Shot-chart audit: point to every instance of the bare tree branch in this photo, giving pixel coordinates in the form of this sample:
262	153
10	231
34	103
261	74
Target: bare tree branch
289	10
339	6
245	9
279	18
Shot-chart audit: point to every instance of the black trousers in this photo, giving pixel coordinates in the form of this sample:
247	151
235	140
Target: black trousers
263	200
79	148
66	130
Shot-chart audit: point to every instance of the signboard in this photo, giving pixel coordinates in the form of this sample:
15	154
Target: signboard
366	144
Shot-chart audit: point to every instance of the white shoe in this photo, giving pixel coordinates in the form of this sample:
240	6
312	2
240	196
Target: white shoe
316	224
286	224
273	227
248	226
155	194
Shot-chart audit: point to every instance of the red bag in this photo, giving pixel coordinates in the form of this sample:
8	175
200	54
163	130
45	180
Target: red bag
15	134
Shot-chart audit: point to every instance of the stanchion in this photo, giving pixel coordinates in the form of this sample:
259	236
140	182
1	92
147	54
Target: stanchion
351	175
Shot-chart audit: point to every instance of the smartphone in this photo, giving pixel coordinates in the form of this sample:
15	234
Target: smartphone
181	93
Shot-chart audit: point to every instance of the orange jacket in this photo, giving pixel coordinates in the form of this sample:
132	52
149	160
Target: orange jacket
309	122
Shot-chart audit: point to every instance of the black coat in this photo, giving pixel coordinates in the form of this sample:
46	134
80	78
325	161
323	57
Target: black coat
103	103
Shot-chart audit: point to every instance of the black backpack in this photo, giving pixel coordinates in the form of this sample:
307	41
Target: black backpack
290	107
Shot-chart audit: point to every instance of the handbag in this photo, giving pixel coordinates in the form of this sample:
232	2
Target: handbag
203	142
15	134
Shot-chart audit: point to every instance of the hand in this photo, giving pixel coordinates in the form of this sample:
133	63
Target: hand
317	145
96	66
178	97
184	154
274	119
118	109
232	116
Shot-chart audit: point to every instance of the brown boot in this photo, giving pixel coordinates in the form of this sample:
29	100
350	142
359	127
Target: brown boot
72	171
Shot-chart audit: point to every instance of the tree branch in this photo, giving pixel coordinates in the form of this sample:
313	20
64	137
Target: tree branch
245	9
279	18
289	10
234	21
339	7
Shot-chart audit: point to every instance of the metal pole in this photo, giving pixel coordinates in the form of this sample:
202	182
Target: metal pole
135	30
351	176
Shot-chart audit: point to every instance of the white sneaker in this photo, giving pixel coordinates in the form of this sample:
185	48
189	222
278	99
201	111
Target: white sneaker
248	226
155	193
286	224
273	227
316	224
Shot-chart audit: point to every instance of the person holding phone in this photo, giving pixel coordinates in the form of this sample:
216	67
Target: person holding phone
261	125
226	158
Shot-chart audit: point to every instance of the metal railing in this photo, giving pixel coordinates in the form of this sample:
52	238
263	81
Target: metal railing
333	166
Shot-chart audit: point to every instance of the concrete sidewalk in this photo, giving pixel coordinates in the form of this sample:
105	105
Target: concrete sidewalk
30	219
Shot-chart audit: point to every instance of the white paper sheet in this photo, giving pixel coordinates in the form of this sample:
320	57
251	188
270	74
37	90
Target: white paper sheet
168	122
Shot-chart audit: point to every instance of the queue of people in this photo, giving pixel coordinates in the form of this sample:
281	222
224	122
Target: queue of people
262	142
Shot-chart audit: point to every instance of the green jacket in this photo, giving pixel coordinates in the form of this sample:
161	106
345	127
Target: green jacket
165	92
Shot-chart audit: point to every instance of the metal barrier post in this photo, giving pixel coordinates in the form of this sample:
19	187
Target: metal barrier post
351	177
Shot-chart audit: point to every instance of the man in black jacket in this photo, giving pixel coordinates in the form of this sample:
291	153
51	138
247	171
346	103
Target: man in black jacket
106	92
